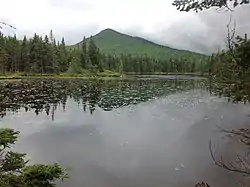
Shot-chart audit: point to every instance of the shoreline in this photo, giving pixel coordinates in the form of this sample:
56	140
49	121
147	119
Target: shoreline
89	75
45	76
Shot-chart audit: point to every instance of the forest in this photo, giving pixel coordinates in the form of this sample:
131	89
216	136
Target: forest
45	55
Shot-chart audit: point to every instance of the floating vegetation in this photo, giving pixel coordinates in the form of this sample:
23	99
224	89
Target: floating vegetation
45	95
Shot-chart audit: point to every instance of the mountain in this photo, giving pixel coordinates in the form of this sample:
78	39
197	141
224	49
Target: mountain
112	42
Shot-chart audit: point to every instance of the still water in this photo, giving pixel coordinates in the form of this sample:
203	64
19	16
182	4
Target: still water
140	133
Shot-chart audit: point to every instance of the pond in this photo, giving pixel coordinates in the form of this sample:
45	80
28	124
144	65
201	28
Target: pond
138	132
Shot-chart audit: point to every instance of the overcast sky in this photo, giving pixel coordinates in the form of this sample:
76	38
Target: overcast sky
156	20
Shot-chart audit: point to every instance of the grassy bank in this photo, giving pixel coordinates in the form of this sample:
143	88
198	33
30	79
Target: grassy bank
62	75
88	74
170	73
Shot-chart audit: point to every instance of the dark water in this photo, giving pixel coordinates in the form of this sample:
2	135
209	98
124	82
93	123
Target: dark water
145	132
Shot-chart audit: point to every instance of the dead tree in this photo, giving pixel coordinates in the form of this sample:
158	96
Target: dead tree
2	24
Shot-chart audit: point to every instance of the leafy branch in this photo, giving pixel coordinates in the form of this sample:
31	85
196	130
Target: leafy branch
6	24
199	5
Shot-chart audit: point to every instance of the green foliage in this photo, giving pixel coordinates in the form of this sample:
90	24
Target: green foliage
242	51
36	55
7	137
84	55
63	57
94	56
108	50
13	162
199	5
14	171
230	73
42	175
24	56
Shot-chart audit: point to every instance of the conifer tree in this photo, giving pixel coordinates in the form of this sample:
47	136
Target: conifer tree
24	57
83	56
63	57
93	53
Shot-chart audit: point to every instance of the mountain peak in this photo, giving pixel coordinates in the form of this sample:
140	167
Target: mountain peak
108	30
113	42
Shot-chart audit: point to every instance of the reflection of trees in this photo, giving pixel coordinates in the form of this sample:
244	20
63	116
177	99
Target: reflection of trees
47	95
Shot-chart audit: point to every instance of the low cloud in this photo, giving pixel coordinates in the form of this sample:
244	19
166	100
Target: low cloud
208	32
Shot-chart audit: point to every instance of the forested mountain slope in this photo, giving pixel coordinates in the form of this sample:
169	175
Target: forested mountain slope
112	42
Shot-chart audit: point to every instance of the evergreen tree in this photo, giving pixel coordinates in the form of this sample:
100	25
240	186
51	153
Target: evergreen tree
83	56
24	58
34	56
63	57
47	56
3	54
93	52
55	56
51	37
16	54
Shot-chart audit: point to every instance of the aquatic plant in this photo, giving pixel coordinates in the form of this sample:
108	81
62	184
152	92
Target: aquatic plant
45	95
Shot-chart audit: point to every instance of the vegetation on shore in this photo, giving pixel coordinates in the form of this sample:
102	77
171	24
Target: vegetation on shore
86	74
99	75
44	55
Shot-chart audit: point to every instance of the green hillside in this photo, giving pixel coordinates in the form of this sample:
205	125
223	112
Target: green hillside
113	42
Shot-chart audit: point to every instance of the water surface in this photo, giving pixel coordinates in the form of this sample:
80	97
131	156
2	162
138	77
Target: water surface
145	132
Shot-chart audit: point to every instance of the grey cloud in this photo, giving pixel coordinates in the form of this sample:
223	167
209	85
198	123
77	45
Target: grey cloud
73	35
212	38
207	35
184	35
216	23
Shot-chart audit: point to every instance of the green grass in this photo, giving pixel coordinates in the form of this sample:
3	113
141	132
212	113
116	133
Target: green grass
10	76
113	42
86	74
171	73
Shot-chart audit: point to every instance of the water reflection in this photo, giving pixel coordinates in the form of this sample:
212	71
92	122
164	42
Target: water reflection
163	142
49	94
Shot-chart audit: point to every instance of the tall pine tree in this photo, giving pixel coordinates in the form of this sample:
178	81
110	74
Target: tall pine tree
83	56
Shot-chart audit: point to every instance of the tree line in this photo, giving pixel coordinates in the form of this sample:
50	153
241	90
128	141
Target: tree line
46	55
